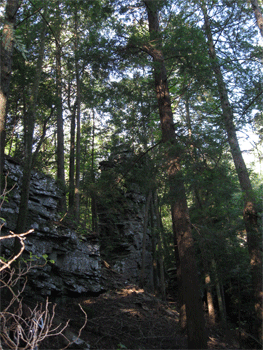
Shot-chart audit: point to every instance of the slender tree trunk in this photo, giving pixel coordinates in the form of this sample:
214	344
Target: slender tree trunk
220	299
258	15
250	215
160	247
71	199
209	294
42	138
60	128
154	234
77	188
29	124
210	303
180	215
145	226
93	197
6	55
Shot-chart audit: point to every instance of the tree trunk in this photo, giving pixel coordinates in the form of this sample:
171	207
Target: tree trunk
29	124
220	299
6	55
180	215
210	303
145	226
93	196
160	248
77	188
258	15
250	215
60	132
71	198
182	305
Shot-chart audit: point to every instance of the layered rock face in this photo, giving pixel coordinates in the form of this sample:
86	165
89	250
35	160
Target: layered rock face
121	224
75	266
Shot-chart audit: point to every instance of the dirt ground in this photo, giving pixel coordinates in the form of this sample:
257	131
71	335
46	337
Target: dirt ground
127	317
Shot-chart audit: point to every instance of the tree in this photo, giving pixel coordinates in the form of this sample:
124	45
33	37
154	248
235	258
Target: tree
60	132
258	15
250	215
6	54
29	125
78	100
180	214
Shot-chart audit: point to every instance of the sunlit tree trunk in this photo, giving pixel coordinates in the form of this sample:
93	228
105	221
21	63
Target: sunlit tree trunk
6	54
258	15
250	214
209	297
180	215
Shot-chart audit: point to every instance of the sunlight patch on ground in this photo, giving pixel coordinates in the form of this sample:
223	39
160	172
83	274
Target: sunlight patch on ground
133	312
129	290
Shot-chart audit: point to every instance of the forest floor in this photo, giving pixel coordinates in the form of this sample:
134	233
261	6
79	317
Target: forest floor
127	317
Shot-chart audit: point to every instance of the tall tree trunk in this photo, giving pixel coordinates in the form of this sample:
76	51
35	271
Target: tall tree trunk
77	188
160	247
71	198
180	215
182	304
6	54
258	15
154	234
209	297
60	131
220	299
29	124
145	226
250	215
93	197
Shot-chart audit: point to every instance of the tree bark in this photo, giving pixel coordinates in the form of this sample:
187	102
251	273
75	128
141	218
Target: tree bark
94	217
6	55
71	198
180	215
160	247
250	215
146	215
60	131
29	124
220	299
210	303
258	15
77	185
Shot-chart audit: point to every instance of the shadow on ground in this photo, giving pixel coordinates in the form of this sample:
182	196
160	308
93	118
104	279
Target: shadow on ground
127	317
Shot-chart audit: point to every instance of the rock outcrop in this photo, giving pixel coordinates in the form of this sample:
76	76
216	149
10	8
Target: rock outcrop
72	264
121	223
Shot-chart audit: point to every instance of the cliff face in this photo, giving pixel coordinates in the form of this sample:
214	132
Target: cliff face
76	262
75	266
121	222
